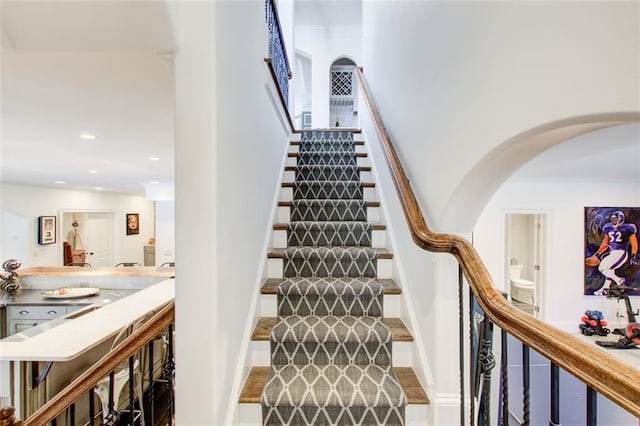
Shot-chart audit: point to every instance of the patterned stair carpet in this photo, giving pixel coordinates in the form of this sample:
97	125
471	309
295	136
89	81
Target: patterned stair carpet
330	351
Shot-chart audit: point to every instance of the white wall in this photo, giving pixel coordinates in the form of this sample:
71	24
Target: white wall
29	202
456	80
564	202
324	45
230	150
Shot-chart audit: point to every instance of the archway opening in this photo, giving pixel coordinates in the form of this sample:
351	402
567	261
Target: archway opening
343	97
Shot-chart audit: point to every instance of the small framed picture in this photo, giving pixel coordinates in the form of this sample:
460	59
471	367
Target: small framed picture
46	230
133	223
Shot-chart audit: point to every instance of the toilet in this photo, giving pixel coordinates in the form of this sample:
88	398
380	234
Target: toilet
521	290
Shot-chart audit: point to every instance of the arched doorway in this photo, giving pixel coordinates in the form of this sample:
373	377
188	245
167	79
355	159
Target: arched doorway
343	111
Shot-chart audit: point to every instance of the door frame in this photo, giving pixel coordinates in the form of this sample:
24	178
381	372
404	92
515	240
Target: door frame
116	241
541	250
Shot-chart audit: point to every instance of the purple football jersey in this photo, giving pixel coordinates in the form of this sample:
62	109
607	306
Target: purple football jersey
619	235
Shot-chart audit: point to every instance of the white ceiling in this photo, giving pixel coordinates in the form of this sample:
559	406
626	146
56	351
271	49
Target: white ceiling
87	67
72	67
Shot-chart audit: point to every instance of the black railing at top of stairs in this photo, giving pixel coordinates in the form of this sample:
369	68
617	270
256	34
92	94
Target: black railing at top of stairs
277	49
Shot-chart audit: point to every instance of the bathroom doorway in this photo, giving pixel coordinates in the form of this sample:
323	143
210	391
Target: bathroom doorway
525	261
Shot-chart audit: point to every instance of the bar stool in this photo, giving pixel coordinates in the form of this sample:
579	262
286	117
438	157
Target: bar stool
108	400
128	264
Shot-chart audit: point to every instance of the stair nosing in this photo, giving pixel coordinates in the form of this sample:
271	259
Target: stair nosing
367	203
399	330
389	286
298	143
278	253
356	154
285	226
363	184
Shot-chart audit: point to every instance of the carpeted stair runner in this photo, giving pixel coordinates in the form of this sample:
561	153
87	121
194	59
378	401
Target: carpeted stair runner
331	353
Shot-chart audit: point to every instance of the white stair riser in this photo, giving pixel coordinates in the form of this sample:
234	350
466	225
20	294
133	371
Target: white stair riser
261	353
368	194
275	268
416	414
284	214
378	239
251	415
269	305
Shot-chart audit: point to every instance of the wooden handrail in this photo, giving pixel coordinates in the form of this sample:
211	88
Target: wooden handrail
71	393
280	95
601	371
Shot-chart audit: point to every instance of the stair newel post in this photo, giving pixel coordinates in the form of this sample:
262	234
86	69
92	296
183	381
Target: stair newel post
461	340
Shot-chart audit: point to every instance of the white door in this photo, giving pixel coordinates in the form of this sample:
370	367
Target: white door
94	233
99	242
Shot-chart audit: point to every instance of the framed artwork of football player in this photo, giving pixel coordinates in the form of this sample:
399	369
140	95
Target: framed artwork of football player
611	249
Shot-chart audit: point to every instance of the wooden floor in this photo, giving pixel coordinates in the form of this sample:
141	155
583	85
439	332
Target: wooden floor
410	384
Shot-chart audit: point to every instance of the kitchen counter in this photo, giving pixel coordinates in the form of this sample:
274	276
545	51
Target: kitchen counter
129	278
35	297
73	337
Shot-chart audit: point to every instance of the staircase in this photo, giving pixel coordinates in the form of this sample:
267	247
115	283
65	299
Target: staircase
334	358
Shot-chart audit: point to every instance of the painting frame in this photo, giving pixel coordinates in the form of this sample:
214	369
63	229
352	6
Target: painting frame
47	230
614	260
132	223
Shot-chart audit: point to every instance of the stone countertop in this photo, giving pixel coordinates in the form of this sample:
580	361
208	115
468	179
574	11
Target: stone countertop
129	278
35	297
75	336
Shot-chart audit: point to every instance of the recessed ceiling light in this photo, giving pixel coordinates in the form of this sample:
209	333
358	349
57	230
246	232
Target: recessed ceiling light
59	181
93	171
153	182
87	136
154	158
97	188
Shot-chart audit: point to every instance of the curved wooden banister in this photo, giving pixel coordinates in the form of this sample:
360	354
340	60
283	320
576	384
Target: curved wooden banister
601	371
80	386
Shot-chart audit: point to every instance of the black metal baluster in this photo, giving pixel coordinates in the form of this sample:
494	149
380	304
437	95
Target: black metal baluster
169	372
472	362
92	408
525	385
486	362
461	341
554	419
505	379
72	414
592	407
112	415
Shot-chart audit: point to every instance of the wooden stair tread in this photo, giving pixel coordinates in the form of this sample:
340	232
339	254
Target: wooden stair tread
368	203
364	184
298	143
278	253
399	330
357	154
360	168
270	285
285	226
408	380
